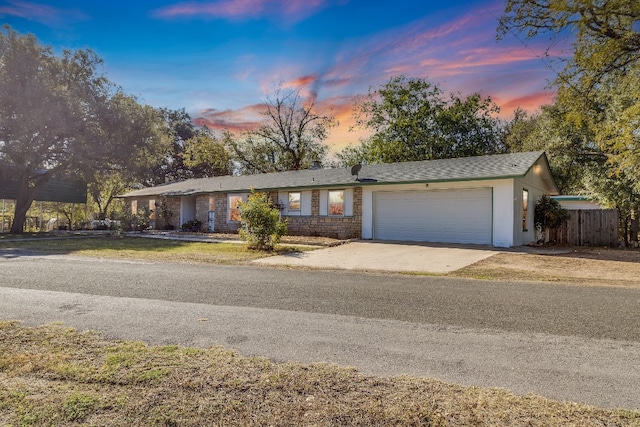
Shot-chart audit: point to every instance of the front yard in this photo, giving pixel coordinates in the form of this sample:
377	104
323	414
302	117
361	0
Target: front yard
579	266
147	249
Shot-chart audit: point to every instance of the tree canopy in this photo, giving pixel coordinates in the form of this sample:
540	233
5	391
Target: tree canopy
412	119
598	89
607	34
59	114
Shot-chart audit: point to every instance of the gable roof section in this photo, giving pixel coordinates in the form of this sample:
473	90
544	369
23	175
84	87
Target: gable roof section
500	166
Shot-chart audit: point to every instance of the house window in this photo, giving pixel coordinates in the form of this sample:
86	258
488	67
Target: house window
234	211
336	203
294	201
525	207
152	209
134	207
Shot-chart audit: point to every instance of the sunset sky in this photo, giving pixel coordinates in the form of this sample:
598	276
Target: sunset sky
218	59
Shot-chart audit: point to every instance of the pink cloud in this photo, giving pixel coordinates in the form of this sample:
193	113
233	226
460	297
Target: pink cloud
529	102
300	81
41	13
240	120
295	10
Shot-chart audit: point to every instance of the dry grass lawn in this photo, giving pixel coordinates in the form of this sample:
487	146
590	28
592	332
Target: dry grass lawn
579	266
52	376
147	249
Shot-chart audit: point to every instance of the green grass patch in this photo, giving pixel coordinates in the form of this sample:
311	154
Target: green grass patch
149	249
131	383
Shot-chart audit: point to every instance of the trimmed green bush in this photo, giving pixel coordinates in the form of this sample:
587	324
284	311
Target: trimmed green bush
260	223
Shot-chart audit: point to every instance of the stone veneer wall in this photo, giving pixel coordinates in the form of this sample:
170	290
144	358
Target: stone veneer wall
314	225
202	210
329	226
173	207
220	211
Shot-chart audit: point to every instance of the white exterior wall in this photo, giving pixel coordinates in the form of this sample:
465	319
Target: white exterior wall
532	182
187	208
503	214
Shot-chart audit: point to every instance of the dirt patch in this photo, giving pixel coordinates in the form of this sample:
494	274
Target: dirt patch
579	266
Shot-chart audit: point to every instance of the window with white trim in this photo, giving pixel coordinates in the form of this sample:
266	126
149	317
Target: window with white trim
336	203
295	198
152	209
525	208
234	211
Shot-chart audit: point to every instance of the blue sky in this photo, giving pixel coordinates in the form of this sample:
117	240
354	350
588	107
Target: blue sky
219	59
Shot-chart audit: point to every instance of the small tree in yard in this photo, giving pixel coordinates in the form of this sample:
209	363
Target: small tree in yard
548	215
260	224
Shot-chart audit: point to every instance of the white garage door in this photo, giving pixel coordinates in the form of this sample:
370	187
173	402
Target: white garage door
449	216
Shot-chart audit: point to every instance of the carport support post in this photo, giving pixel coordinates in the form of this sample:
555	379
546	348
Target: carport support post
2	216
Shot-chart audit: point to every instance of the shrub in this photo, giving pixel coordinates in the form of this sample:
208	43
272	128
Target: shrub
139	221
193	225
260	224
549	214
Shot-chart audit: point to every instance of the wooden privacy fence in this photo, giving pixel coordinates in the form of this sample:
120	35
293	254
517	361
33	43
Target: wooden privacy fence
588	227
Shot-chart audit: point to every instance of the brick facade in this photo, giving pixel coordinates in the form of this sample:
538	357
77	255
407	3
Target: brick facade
328	226
172	212
158	219
315	225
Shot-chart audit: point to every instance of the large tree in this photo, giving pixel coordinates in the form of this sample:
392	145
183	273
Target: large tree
599	85
607	34
134	140
571	149
171	167
413	119
207	155
291	137
59	115
600	82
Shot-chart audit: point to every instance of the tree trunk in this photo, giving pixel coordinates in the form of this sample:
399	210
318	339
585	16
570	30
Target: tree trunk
26	194
23	203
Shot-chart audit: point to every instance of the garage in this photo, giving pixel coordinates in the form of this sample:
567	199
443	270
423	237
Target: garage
447	216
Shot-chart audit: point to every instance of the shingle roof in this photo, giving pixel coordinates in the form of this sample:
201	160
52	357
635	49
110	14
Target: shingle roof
458	169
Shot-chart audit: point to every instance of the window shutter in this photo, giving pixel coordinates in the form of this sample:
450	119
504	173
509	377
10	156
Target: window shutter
305	209
324	202
348	202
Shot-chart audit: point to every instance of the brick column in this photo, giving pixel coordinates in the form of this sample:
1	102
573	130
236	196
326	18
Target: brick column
315	203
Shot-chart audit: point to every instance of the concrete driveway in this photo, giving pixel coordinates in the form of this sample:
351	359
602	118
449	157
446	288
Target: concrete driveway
388	256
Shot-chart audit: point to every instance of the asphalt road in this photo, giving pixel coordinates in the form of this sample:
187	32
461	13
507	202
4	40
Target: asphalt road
565	342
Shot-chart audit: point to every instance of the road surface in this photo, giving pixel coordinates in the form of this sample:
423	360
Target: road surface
564	342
